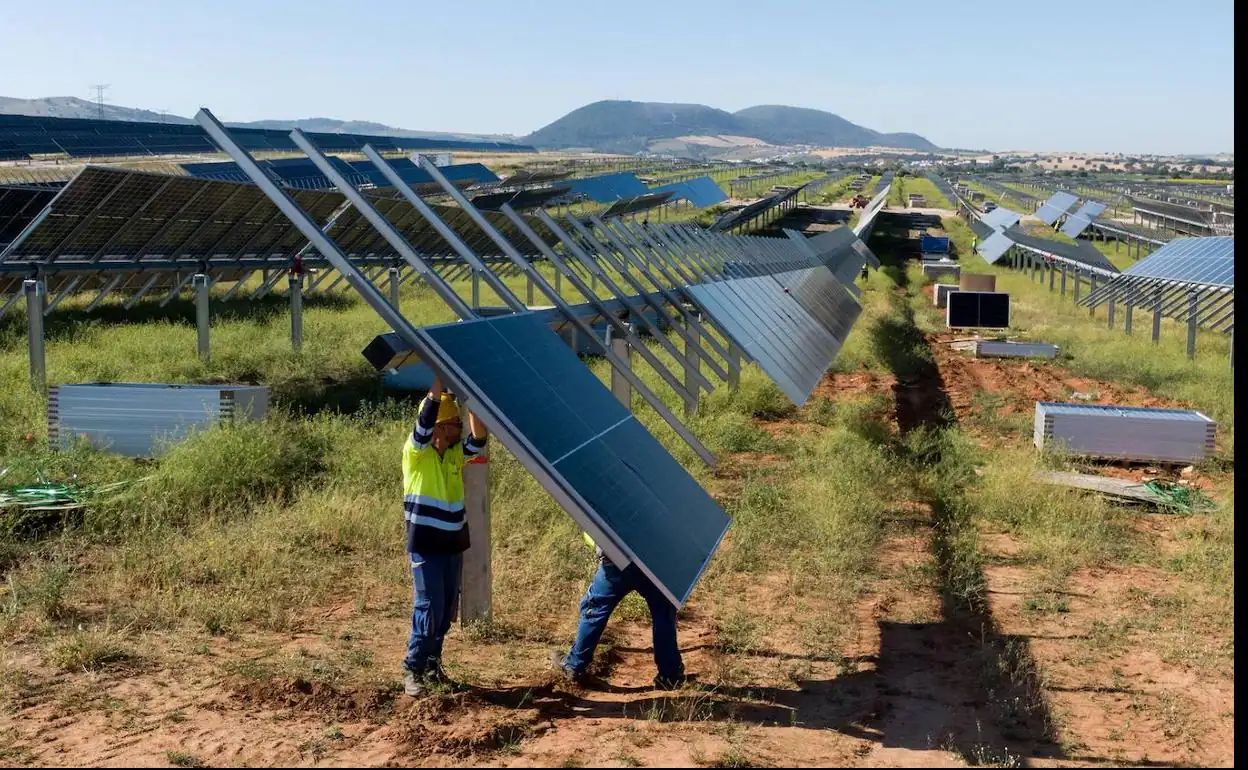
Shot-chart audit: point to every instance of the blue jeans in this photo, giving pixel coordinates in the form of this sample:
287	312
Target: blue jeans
435	590
609	587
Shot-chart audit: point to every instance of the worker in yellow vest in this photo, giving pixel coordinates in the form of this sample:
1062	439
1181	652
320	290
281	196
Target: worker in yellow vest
437	533
608	588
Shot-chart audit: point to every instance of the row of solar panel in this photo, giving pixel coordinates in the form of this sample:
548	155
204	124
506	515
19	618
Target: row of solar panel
25	135
303	173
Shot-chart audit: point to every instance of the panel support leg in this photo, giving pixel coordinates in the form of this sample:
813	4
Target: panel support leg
1192	318
477	576
36	293
296	311
620	386
199	283
392	280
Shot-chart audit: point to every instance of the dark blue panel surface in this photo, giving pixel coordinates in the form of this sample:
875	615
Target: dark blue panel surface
634	491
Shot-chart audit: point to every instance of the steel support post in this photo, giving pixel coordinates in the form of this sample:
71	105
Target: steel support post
1126	319
296	311
200	284
1109	308
477	574
1092	290
1063	279
1075	294
1157	317
36	293
1192	322
392	280
1052	277
528	290
476	289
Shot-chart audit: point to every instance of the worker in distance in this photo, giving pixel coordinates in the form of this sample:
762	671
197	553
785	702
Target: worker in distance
436	530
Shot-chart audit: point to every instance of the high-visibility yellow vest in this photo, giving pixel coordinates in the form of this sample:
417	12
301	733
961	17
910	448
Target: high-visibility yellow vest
433	499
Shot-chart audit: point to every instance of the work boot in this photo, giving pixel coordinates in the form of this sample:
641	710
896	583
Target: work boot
671	683
414	684
558	661
437	676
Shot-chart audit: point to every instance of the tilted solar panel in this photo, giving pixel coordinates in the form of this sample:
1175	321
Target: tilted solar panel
1208	261
1001	218
993	247
611	475
1056	206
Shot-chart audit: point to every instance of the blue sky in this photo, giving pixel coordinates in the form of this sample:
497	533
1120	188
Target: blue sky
1095	75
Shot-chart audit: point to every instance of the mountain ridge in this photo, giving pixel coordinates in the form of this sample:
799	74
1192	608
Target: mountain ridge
628	126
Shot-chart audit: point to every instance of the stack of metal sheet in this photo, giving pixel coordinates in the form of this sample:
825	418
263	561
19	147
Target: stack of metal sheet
1008	349
145	419
1137	434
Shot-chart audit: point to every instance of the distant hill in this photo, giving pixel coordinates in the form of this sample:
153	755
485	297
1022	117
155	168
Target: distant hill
623	126
73	107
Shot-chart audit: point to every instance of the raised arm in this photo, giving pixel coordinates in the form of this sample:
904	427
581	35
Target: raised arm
427	417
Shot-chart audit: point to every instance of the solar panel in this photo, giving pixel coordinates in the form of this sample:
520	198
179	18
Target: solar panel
1001	218
977	310
1082	219
1208	261
615	479
1056	206
701	192
993	247
608	188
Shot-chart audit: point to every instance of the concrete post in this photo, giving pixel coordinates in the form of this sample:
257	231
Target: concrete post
200	283
296	311
36	294
691	369
477	575
393	282
620	387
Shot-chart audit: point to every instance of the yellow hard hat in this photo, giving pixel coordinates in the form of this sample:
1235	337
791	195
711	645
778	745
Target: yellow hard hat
447	408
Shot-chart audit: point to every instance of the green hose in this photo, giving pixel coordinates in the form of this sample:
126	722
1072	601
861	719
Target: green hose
1182	498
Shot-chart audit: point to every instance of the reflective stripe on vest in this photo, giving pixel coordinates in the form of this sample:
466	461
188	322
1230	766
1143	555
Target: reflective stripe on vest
433	487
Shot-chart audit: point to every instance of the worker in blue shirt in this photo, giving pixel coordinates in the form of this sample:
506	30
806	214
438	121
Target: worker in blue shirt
608	588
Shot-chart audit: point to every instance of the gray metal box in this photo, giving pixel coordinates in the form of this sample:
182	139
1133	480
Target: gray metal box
1137	434
144	419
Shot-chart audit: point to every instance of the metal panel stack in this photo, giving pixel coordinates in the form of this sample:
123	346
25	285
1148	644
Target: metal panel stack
145	419
1130	433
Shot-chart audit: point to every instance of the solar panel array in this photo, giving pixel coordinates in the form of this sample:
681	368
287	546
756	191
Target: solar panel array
24	136
303	174
1208	261
1189	279
110	220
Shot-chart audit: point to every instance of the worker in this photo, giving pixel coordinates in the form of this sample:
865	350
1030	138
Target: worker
437	533
608	588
